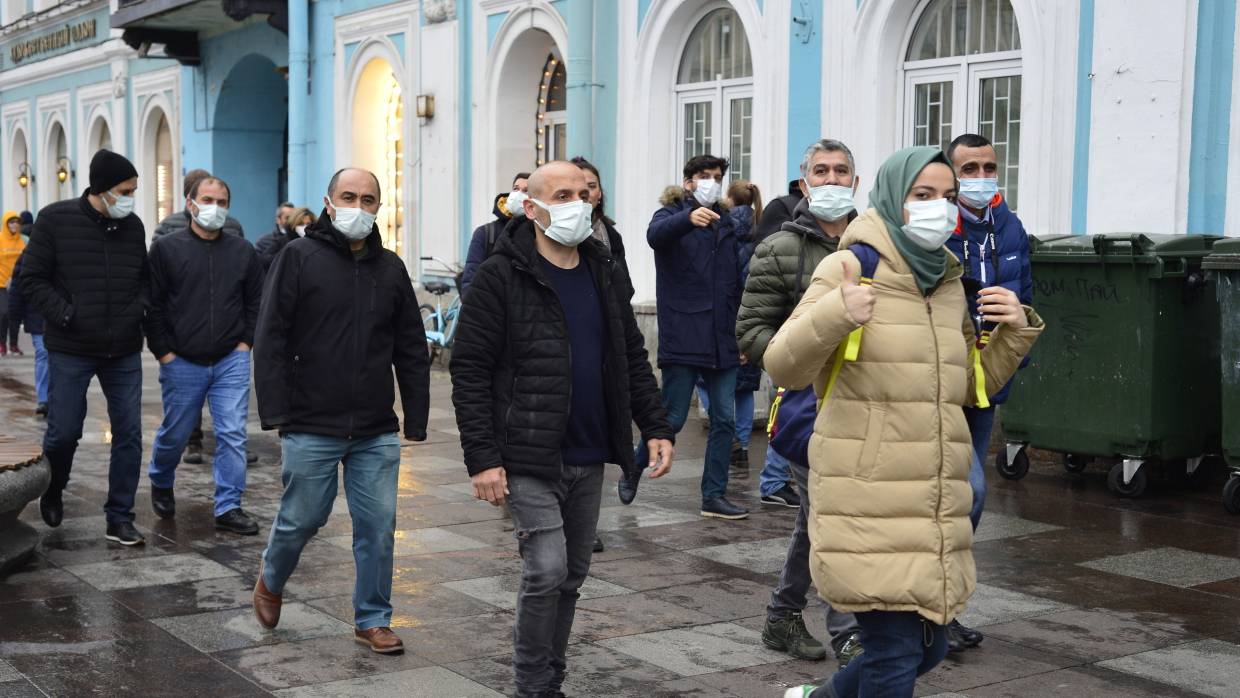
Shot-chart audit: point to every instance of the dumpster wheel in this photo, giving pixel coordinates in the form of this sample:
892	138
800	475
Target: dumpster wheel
1012	462
1135	486
1231	494
1074	463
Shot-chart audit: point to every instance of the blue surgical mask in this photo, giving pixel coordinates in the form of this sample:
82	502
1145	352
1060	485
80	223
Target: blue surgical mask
830	202
123	206
978	192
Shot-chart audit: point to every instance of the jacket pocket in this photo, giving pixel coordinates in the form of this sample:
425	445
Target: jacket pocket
875	423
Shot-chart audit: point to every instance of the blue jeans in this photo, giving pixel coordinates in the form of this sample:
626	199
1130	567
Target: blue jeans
40	368
309	474
775	474
225	387
121	380
899	647
744	413
981	423
555	522
678	384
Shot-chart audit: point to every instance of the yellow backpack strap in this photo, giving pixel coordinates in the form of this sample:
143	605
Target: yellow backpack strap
770	421
848	351
979	378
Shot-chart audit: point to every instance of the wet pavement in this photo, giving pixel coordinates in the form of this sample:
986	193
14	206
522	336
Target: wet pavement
1080	593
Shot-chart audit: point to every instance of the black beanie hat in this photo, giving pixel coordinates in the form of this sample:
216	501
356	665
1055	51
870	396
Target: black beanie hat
108	169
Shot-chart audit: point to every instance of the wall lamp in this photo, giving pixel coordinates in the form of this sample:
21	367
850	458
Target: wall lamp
65	170
24	175
426	106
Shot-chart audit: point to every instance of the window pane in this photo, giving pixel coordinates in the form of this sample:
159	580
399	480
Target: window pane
740	133
560	149
717	50
999	120
932	113
556	100
963	27
697	129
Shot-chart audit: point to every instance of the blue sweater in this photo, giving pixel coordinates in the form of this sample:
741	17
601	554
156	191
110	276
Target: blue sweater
998	255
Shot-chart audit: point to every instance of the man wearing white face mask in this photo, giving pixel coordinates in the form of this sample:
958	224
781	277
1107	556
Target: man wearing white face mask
507	206
85	271
779	274
549	372
338	319
698	281
206	287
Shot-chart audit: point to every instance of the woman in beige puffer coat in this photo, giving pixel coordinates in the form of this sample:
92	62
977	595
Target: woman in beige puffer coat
890	454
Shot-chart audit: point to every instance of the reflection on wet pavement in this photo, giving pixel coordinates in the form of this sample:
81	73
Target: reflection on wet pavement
1079	593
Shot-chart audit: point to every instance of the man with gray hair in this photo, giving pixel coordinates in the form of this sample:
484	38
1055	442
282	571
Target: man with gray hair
338	318
779	273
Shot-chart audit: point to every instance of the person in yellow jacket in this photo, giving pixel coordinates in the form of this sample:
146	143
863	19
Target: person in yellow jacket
889	458
11	245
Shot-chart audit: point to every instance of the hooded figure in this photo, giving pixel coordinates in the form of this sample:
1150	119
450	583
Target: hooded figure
890	455
11	246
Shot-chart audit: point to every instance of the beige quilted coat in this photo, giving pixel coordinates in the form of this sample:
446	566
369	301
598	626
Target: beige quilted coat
890	455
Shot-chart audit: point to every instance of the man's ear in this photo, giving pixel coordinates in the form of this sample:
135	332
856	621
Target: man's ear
691	184
804	187
856	184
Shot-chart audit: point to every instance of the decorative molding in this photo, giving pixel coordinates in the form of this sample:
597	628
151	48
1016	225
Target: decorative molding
65	63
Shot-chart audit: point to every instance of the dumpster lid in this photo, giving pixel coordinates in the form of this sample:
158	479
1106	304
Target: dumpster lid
1122	246
1225	255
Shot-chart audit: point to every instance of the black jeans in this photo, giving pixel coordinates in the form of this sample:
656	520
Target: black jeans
121	380
555	524
9	326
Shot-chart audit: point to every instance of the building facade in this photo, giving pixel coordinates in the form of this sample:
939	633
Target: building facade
1107	116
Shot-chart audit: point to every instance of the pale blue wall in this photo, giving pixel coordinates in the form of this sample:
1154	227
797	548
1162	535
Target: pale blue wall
804	91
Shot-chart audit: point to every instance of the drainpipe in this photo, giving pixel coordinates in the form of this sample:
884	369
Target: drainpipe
580	82
298	98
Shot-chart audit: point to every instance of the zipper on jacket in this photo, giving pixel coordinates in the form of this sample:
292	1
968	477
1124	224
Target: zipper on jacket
107	292
564	320
357	276
938	410
211	292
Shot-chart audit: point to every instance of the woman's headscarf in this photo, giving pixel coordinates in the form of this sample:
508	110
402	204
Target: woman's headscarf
891	186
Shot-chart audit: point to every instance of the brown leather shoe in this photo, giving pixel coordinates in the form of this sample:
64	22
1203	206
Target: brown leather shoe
266	604
381	640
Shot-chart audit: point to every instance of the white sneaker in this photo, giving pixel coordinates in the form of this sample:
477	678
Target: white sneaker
800	691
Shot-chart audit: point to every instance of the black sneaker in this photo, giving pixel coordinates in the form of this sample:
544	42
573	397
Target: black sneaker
784	496
789	635
627	487
969	636
163	502
955	641
41	409
124	533
193	454
721	508
598	544
51	508
236	521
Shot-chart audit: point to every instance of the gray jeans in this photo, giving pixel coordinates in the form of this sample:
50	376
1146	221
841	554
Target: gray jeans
555	523
790	595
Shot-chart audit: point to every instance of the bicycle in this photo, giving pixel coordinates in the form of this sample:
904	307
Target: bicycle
438	322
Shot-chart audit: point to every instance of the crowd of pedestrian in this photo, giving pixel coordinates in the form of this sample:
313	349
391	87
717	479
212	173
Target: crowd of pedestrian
891	332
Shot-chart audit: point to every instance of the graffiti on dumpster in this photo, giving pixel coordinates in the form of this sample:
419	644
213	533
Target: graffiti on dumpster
1078	330
1076	289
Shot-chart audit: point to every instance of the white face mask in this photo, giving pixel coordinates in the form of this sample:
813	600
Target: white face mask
353	223
513	203
570	222
978	191
830	202
210	216
707	191
930	223
123	206
301	231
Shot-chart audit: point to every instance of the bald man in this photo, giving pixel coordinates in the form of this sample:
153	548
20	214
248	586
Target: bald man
338	316
549	372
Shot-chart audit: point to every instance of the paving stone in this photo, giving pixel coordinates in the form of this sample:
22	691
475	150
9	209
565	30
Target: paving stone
724	599
1210	667
995	526
618	518
428	682
990	605
592	671
699	650
630	614
501	591
668	570
421	541
992	662
237	628
1173	566
20	689
149	571
1087	635
1081	682
188	597
460	639
756	556
316	661
8	673
413	605
197	676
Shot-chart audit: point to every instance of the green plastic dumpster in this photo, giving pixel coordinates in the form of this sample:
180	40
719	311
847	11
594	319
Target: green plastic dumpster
1127	369
1223	266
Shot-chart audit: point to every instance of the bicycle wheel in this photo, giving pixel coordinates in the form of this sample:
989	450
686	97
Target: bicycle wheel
431	322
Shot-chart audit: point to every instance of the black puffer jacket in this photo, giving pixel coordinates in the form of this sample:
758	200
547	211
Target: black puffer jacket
20	309
269	245
511	369
330	331
87	275
204	296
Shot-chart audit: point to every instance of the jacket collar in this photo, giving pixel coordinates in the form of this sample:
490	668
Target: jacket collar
517	243
109	224
323	231
804	224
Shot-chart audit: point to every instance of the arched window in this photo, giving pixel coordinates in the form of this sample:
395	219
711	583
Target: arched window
57	160
962	75
379	144
165	196
552	111
714	92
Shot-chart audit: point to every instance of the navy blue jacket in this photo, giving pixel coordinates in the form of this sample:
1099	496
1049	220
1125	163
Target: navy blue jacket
1001	261
698	282
749	377
19	309
483	241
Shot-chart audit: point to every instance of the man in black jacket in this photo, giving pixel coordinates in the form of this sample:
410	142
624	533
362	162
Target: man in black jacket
778	211
338	314
549	371
205	291
86	272
269	245
507	205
